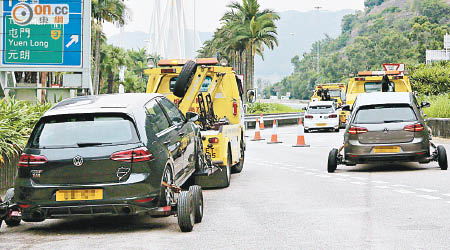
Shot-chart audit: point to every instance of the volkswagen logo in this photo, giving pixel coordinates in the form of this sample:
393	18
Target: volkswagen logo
78	161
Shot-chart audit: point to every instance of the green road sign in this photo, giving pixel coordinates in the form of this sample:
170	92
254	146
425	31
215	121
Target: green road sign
33	43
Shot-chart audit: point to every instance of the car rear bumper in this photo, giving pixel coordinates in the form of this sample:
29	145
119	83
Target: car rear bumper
416	151
323	124
133	196
40	213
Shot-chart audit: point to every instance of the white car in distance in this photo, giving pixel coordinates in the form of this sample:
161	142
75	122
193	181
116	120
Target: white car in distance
321	115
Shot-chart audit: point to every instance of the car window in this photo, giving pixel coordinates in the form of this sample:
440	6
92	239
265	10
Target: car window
323	109
156	117
83	129
378	114
172	82
335	93
378	87
174	114
205	84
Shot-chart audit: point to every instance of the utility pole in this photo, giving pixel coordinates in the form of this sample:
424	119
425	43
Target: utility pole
318	46
195	29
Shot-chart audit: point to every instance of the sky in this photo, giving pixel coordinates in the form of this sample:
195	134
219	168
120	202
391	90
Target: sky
209	12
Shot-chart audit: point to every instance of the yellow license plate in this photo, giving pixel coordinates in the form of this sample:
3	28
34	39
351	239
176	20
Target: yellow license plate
211	152
79	195
391	149
321	124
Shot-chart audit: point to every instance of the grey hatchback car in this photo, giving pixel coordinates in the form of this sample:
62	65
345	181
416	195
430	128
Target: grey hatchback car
387	127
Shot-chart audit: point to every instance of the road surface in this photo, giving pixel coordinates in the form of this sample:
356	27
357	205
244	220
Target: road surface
283	199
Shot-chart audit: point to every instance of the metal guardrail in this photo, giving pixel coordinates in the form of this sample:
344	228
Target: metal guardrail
271	117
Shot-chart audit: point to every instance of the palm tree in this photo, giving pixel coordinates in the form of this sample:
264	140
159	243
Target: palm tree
113	11
245	32
112	58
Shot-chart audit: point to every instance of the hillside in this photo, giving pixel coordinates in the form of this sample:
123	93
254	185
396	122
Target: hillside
395	31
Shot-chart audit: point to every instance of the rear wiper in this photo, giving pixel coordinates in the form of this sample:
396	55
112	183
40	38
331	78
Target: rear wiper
91	144
393	121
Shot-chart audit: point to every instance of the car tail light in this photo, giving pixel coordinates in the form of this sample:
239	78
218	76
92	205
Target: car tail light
332	116
133	155
308	117
213	140
27	160
235	108
397	77
414	127
360	79
357	130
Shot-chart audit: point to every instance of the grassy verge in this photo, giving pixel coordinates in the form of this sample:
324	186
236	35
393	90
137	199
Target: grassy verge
270	108
440	106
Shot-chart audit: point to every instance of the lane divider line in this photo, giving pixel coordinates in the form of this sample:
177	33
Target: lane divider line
426	190
429	197
404	191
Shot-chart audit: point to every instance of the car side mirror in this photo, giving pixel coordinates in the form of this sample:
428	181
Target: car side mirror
251	96
346	108
425	105
191	116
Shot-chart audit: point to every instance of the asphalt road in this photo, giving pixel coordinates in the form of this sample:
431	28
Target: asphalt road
283	199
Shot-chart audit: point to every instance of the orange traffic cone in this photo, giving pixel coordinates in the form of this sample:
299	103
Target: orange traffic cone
300	135
274	138
257	132
261	124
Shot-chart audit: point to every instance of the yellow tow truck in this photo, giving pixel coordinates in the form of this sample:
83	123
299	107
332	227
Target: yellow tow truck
214	93
332	92
378	81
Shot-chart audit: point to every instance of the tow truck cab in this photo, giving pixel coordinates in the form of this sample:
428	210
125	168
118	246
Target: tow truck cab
332	92
378	81
215	93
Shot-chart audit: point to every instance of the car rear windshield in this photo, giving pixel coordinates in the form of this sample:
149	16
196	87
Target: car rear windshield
83	130
324	109
335	93
371	87
378	114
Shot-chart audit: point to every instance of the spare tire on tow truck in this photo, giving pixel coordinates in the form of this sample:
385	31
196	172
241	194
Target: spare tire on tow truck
184	80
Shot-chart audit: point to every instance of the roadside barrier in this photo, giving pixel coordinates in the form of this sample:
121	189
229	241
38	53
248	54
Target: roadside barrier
300	135
261	124
257	132
274	138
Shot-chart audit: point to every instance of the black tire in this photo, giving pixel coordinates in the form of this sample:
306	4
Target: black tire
184	79
332	160
306	131
186	216
336	130
227	169
1	221
442	158
238	167
197	195
166	195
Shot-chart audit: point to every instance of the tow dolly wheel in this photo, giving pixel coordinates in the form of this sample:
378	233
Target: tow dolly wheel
332	160
1	221
12	220
184	79
197	196
442	158
186	215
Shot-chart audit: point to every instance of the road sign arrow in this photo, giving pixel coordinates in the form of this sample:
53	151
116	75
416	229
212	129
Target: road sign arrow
75	39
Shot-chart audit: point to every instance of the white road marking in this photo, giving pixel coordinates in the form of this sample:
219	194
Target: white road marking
344	175
429	197
309	173
300	167
358	183
426	190
322	175
313	169
380	182
446	194
403	191
384	187
340	179
283	168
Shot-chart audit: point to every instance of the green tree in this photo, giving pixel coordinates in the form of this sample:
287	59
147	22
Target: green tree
112	11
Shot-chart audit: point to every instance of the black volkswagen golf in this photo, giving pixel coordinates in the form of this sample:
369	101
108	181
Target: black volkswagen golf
107	155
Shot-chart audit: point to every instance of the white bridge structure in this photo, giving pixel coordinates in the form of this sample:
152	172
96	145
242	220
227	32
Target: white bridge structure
172	31
439	55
